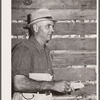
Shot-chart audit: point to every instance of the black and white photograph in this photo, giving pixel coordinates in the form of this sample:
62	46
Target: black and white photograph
53	50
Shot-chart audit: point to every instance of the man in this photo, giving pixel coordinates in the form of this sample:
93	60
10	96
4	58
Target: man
32	56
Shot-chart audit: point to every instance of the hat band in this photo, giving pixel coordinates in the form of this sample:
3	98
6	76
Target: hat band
41	19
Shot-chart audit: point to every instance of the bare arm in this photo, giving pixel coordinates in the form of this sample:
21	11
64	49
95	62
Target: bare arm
23	84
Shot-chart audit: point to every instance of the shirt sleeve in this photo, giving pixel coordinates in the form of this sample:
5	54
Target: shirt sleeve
21	61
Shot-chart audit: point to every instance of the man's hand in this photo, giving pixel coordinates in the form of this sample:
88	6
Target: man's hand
62	86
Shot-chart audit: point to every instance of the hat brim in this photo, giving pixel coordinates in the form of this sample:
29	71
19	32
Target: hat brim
39	20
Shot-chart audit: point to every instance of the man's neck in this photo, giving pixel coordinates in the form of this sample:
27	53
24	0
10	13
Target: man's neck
41	42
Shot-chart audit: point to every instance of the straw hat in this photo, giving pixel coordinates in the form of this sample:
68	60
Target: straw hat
40	15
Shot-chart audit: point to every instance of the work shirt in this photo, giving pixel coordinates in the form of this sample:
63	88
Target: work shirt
30	57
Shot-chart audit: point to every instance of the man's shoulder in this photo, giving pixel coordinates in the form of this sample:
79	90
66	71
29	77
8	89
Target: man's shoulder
24	45
21	46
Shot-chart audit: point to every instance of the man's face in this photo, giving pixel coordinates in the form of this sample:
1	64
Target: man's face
45	30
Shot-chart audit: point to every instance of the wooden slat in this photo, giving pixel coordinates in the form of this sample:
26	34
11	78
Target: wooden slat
58	14
71	97
73	59
74	74
75	28
60	28
73	44
85	98
55	4
18	29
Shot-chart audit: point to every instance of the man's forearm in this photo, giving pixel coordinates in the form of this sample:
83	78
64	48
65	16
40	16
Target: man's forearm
24	84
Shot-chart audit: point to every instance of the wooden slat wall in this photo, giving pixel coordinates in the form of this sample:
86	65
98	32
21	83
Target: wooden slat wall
56	4
74	59
73	43
58	14
71	74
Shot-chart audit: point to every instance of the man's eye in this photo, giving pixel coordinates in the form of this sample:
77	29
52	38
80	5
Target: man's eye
47	26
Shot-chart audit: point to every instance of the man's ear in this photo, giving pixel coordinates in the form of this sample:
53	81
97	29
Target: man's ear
35	27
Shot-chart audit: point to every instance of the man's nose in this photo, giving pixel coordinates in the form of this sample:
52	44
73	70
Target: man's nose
52	29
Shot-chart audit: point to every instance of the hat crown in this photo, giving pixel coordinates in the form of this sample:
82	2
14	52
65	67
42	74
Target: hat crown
40	13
